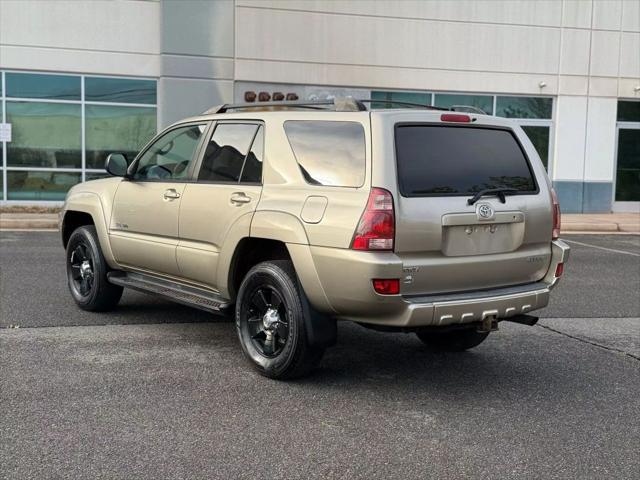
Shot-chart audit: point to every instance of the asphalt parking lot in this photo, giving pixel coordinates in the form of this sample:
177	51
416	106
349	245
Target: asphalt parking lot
157	390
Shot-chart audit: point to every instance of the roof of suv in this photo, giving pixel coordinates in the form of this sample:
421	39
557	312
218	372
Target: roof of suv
338	105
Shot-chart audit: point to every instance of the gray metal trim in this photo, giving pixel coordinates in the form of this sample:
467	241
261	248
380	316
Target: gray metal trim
528	288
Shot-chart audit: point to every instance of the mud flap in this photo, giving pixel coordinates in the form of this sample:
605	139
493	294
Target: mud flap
322	330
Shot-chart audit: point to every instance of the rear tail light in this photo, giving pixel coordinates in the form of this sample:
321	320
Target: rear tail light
455	117
377	227
559	269
555	234
386	286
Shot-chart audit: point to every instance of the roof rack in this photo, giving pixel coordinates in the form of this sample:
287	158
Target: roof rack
338	104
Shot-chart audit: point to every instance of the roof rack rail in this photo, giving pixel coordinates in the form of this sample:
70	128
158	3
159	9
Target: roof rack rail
339	104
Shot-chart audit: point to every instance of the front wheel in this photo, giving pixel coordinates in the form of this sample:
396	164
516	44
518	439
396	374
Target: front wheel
87	272
270	321
452	341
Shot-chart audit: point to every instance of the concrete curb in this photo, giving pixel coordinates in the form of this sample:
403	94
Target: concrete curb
22	221
593	227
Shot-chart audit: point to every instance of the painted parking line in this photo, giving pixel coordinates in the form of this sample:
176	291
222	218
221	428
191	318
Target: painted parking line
602	248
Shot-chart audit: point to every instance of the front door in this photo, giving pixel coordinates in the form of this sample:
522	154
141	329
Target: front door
219	205
144	224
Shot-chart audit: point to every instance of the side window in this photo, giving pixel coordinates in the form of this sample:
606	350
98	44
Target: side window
226	152
328	153
171	155
252	170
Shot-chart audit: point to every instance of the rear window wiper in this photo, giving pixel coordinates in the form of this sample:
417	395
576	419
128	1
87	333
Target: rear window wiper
499	192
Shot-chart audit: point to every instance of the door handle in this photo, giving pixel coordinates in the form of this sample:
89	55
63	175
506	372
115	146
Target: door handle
240	198
170	194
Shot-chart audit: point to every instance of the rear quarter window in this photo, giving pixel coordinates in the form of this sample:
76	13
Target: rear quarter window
436	160
328	153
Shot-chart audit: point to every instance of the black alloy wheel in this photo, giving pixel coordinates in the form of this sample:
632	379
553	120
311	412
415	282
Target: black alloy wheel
271	321
87	272
81	269
267	319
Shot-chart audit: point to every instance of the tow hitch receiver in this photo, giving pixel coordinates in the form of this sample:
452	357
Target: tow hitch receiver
528	320
488	324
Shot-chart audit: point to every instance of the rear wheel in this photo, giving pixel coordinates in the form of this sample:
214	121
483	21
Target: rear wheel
270	322
87	272
452	341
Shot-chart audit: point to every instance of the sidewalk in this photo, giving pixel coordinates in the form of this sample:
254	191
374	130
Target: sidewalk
593	223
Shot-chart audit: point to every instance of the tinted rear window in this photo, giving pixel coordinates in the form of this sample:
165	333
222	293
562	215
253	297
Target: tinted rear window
328	153
442	160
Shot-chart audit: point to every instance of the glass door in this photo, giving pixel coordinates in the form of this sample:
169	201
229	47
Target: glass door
627	180
628	168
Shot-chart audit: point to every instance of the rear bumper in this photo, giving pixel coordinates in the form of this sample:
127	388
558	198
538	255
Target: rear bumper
350	302
475	306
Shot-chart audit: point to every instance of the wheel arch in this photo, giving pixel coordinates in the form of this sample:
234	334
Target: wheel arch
85	208
252	250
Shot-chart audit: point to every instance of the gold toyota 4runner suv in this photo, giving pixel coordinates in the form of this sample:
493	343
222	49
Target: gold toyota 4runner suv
295	215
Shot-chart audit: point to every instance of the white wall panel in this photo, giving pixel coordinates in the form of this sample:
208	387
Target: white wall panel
605	52
132	27
573	85
523	12
571	114
574	56
630	55
607	14
601	139
79	61
576	13
603	87
312	37
631	16
390	77
627	86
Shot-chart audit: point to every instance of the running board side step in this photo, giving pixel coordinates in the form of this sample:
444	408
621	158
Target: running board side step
528	320
186	295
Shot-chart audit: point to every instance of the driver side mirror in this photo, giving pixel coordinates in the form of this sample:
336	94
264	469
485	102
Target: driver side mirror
116	165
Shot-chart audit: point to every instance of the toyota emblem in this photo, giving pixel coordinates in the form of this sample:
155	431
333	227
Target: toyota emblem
485	211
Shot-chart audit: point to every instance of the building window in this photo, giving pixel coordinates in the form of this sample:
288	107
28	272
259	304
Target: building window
44	135
483	102
386	99
64	126
52	87
524	107
119	90
39	185
116	128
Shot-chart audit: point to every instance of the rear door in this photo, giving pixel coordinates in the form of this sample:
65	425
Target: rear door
221	201
448	245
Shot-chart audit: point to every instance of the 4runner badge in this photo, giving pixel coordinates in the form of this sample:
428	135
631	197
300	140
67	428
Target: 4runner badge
484	211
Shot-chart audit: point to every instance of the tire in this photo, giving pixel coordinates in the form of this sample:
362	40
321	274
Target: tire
452	341
270	321
87	272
